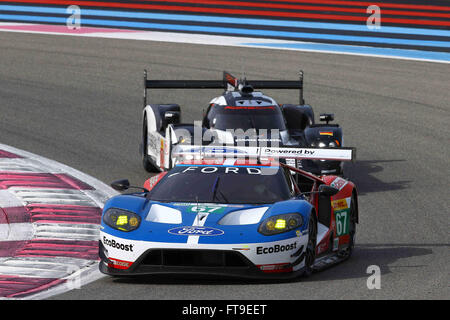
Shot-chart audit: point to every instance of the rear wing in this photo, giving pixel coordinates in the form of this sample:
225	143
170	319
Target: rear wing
229	82
188	152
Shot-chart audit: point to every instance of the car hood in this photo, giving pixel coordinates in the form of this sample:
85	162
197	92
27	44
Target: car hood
177	222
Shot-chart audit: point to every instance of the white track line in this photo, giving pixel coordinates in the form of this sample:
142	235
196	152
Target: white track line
202	39
76	271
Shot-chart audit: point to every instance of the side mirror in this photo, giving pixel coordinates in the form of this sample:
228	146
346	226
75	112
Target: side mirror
171	117
327	190
121	185
180	140
327	117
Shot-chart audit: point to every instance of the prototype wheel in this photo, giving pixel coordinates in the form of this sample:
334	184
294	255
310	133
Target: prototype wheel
310	253
146	161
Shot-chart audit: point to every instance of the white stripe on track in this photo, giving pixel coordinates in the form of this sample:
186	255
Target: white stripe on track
7	200
16	232
261	43
77	271
52	196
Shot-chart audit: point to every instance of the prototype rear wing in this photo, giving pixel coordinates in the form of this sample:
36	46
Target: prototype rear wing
188	152
228	82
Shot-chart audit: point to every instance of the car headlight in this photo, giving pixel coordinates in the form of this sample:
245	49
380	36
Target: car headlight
280	223
121	219
318	144
332	144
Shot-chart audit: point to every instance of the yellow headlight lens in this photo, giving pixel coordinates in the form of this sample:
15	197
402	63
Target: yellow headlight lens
270	225
292	223
122	220
280	224
133	221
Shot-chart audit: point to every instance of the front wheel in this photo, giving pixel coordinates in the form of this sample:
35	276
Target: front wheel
310	254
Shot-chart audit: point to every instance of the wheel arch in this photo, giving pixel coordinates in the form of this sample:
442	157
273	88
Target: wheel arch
355	196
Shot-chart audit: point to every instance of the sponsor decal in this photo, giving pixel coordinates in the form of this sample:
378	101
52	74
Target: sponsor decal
341	215
342	218
243	248
326	133
196	231
161	154
211	169
118	264
293	151
339	204
276	248
117	245
339	183
206	209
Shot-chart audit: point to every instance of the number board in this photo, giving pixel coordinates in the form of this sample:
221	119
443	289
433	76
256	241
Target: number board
342	216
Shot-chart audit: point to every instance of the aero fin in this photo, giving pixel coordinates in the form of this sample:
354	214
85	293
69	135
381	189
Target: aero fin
231	81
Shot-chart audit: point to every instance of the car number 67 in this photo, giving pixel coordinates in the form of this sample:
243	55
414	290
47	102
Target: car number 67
204	209
341	223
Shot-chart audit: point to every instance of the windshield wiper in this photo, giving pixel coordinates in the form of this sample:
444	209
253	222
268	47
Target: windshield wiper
223	196
216	190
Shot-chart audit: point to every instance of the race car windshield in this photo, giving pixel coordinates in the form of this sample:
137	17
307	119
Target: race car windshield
265	117
218	184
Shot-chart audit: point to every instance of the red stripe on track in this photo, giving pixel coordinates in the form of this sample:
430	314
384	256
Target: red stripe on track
282	14
74	182
3	216
6	154
49	213
9	248
62	29
15	215
60	248
16	287
366	4
41	180
308	7
50	248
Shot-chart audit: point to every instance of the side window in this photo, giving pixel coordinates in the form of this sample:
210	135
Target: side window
290	182
305	184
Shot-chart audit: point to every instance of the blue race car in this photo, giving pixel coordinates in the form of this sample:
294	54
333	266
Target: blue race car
243	218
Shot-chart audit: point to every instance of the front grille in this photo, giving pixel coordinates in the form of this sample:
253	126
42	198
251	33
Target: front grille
194	258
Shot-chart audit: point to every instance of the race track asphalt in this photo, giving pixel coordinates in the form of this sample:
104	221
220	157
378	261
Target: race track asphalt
79	101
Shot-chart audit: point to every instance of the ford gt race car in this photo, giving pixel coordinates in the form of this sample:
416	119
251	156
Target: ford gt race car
240	116
243	217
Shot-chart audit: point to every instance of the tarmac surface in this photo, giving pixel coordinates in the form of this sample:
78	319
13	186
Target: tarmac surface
79	101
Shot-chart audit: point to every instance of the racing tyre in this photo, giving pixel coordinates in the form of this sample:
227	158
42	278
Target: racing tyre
146	161
347	252
310	253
